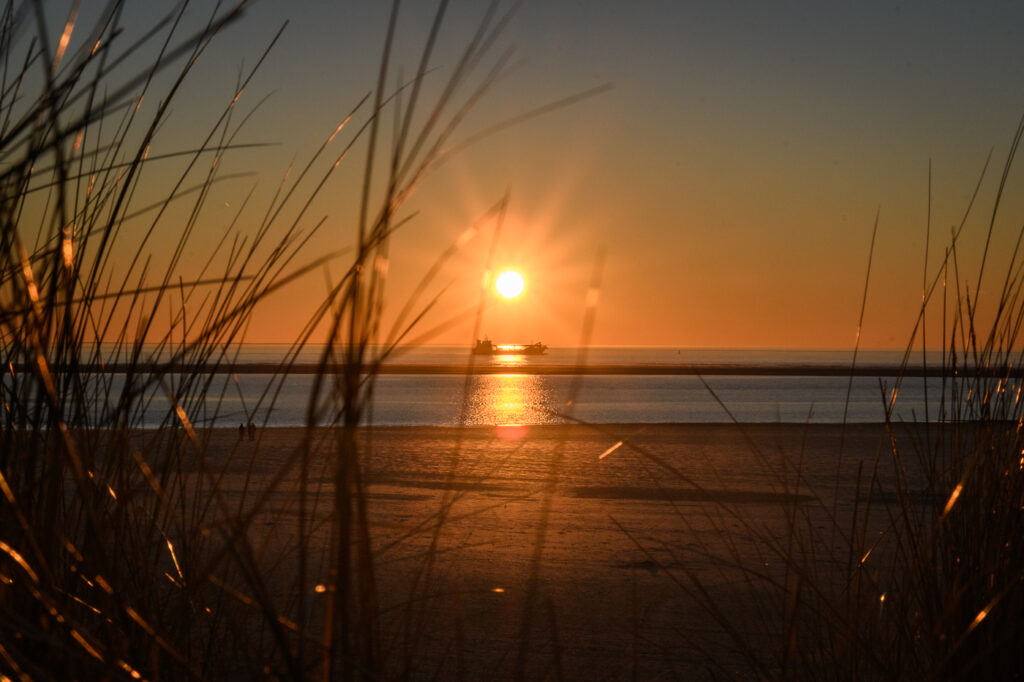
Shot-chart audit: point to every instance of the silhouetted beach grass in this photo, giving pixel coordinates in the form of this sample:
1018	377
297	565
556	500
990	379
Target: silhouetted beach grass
340	551
920	573
125	553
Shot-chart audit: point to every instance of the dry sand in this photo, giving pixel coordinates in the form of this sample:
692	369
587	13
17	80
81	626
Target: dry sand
624	536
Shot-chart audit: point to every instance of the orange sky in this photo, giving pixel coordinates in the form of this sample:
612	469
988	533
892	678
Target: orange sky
731	174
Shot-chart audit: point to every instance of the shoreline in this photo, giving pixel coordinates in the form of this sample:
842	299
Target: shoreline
570	429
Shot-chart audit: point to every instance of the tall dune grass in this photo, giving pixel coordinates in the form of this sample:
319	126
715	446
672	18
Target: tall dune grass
125	552
133	553
908	565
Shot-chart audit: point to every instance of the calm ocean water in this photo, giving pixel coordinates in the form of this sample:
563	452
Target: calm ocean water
517	397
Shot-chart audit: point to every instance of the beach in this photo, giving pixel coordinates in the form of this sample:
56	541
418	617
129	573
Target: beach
626	537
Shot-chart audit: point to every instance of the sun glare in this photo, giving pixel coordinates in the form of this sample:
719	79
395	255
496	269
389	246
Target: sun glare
509	284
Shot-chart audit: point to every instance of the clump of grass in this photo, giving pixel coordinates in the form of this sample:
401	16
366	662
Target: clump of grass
109	550
908	565
131	552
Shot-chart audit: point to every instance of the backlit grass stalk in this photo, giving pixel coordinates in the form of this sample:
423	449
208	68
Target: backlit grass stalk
122	554
920	575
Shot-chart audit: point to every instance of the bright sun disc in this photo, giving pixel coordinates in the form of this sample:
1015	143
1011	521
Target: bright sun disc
509	284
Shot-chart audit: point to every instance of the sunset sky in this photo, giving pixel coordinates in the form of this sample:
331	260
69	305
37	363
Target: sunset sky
731	173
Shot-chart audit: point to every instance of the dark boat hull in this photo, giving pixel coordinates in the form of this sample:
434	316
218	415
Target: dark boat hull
485	347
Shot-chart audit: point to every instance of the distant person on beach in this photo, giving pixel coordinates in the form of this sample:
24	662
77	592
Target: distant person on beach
241	430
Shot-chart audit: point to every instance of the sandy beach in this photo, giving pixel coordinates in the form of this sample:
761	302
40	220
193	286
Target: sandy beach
625	537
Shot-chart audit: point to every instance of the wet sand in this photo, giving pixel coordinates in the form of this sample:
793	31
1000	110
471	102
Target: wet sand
625	537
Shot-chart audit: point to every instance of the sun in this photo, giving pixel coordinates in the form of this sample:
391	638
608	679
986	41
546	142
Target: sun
509	284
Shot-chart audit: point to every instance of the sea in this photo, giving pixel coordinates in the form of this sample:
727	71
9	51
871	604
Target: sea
521	390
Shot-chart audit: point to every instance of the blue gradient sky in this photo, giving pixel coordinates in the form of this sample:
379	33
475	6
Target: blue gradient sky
732	173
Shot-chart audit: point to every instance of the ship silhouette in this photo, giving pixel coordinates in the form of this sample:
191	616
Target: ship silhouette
486	347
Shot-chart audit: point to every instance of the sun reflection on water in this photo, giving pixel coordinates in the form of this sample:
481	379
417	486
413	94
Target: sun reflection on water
511	400
510	360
